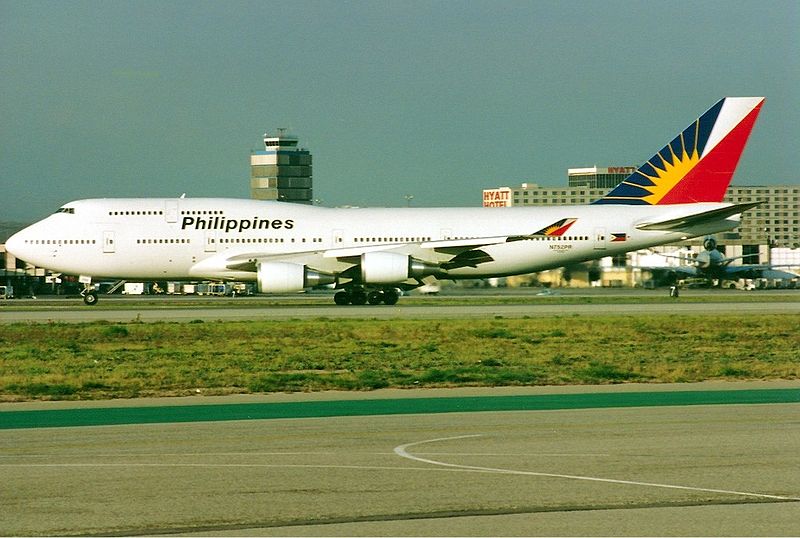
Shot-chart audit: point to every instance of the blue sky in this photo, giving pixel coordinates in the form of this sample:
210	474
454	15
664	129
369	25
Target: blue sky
434	99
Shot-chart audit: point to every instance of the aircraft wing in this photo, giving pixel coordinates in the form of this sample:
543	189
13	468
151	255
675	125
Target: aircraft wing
432	251
683	271
462	252
757	271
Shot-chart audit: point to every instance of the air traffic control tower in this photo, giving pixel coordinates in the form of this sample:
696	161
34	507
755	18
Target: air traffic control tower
281	171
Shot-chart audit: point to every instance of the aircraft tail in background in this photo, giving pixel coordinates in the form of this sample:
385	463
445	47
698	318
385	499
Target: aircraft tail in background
698	165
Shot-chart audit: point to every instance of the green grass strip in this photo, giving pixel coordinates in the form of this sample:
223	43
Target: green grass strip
292	410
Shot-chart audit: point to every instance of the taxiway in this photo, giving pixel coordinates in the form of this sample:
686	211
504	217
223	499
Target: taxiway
726	469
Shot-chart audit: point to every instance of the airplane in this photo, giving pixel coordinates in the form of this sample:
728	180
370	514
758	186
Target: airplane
712	265
371	255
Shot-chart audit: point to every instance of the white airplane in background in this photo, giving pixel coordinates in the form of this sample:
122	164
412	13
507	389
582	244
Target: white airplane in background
712	265
372	254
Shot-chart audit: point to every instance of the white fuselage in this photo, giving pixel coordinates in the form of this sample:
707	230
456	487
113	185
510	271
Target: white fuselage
172	239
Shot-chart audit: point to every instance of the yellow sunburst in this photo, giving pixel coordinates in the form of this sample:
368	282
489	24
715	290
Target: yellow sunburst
667	177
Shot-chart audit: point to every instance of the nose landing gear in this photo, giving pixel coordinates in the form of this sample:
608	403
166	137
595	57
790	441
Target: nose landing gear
89	295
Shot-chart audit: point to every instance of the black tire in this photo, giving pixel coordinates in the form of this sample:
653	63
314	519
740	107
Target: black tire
390	297
358	298
341	298
375	297
90	298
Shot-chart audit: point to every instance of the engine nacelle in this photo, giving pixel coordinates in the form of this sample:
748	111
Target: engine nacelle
392	268
285	277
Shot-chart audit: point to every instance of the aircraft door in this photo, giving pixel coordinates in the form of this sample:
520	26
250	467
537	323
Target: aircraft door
108	243
211	241
600	239
171	211
337	238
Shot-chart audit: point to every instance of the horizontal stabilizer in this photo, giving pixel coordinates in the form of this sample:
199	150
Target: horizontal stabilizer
695	219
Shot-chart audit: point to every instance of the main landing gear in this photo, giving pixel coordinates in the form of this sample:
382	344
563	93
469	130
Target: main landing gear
359	296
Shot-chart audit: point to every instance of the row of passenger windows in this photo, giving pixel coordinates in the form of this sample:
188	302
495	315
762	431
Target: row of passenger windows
253	240
60	241
269	240
391	239
151	212
115	213
228	241
564	238
278	240
161	241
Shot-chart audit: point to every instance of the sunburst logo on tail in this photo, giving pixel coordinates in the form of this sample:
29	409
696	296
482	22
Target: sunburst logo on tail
557	228
668	170
697	166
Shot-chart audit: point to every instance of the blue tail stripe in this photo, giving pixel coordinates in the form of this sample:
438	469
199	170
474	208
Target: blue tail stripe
646	170
677	146
706	124
689	138
639	179
666	154
625	190
621	201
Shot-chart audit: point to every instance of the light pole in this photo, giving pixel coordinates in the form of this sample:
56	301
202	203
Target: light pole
408	198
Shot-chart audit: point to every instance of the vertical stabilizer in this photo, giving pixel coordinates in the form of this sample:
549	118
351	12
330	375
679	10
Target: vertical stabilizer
698	165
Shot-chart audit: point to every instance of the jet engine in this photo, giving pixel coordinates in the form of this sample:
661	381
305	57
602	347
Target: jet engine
710	257
284	277
391	268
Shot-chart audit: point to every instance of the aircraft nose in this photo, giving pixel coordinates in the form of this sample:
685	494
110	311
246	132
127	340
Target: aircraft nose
18	246
14	244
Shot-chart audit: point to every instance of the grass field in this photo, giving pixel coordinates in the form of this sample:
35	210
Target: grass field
103	360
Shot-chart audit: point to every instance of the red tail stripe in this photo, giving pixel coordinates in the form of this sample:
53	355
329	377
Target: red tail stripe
709	179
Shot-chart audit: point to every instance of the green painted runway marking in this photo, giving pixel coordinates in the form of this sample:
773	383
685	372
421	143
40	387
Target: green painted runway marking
60	418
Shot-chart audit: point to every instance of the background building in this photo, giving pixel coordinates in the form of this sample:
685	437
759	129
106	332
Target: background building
776	222
281	171
768	233
598	178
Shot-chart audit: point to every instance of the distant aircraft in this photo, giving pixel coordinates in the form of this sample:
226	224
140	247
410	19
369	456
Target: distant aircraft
370	255
712	265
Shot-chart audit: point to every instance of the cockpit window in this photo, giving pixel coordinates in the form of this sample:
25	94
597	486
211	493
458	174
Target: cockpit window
70	210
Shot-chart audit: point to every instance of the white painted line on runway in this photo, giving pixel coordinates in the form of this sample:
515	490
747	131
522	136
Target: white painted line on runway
402	451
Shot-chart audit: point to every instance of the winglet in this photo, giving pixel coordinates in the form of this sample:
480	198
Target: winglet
698	165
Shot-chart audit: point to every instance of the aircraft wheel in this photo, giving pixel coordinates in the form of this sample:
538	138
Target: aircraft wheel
341	298
90	298
390	297
358	298
375	297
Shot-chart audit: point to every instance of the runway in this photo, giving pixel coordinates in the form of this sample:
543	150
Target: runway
131	311
723	469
